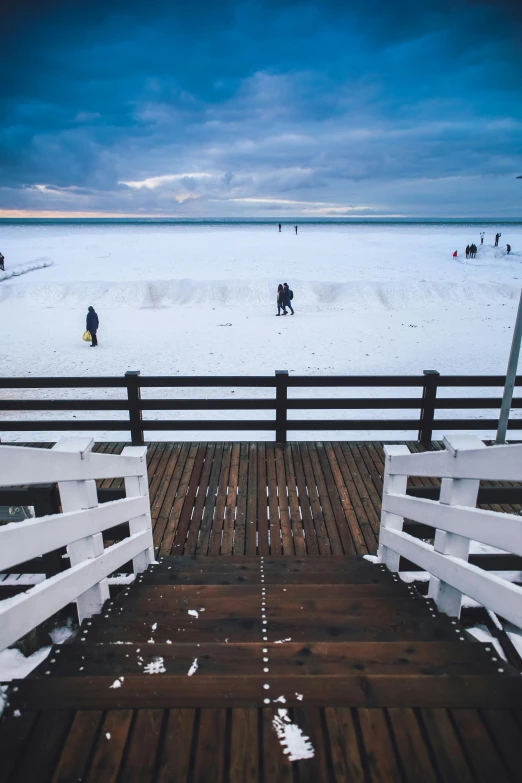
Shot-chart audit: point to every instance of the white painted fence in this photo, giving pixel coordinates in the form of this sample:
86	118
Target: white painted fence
456	519
75	468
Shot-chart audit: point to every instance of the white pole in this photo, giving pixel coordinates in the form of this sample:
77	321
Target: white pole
510	377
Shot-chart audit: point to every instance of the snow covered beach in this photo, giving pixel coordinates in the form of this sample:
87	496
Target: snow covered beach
200	299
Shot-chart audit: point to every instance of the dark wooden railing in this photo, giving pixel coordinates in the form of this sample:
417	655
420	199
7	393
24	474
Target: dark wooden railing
427	404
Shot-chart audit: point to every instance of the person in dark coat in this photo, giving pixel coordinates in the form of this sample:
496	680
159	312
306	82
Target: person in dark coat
508	249
280	228
2	259
467	251
92	324
288	295
280	300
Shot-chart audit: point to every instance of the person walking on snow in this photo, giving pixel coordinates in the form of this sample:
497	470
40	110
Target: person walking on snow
481	237
92	324
288	296
280	228
455	254
296	227
280	300
2	259
467	251
508	249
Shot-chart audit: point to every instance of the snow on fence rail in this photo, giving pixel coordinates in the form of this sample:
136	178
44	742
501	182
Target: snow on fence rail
456	520
80	527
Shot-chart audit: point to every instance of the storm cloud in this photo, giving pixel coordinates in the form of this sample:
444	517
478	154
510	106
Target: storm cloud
262	108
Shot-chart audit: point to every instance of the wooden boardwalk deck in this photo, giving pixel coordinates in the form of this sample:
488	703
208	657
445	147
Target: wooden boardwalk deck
260	616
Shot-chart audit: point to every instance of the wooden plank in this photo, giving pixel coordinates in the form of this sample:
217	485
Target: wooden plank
14	731
507	736
277	765
174	761
410	745
345	752
273	505
450	757
287	541
210	502
358	544
379	754
196	521
481	752
323	541
157	501
181	494
221	499
316	768
312	547
163	517
251	506
42	750
326	501
290	658
140	759
242	492
110	746
209	763
73	761
355	466
453	692
293	499
227	541
366	529
182	528
262	502
337	506
244	747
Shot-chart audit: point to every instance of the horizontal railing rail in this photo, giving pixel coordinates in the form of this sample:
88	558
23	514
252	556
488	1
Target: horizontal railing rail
456	522
424	407
79	527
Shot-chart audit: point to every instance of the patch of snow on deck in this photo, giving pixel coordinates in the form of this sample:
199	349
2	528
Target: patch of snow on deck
295	744
15	666
155	666
193	669
193	613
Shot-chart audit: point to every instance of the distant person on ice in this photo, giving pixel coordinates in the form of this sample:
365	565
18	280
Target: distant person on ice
497	237
508	249
2	259
296	227
481	237
288	296
92	325
280	300
280	228
467	251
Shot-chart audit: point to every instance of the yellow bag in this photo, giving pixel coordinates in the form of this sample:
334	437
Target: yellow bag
87	337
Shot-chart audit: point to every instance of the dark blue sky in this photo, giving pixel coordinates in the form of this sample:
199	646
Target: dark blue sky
219	108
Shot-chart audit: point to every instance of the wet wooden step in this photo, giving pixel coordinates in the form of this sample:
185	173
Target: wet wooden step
163	691
252	629
316	659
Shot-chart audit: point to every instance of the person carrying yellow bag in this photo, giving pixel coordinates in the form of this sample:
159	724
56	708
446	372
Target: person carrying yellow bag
92	326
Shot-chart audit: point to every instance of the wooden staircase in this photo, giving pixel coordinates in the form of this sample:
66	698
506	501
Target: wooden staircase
181	676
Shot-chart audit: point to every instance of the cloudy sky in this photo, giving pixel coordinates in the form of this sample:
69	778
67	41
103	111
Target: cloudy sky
313	108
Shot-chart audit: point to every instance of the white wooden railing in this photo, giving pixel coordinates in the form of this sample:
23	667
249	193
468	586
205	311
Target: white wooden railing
75	468
456	520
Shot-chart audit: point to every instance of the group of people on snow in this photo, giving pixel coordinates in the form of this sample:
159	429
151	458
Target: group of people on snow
284	299
471	250
295	227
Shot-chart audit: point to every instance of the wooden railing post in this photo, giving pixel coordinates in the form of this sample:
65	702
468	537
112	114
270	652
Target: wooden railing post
134	399
76	495
429	396
454	492
281	405
138	486
396	485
